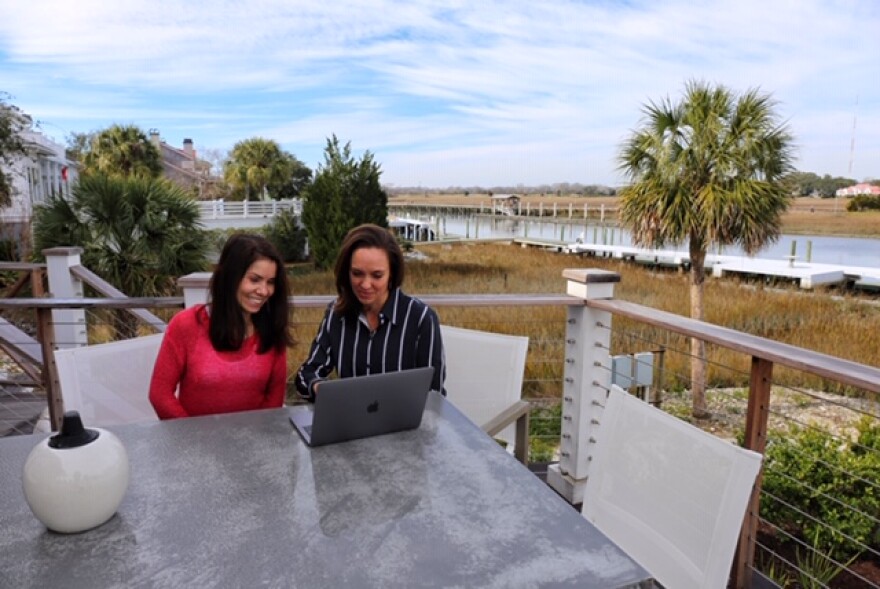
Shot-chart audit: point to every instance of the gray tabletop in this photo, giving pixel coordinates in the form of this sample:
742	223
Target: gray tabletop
239	501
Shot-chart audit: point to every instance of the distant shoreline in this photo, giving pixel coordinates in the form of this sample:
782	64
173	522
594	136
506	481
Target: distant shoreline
806	216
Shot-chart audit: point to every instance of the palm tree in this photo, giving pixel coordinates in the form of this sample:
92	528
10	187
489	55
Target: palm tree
123	150
139	234
707	170
258	168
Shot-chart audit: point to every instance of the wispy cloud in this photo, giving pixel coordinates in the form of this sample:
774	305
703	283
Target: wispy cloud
444	92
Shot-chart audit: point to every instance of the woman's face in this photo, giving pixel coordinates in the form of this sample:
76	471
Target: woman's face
370	272
257	285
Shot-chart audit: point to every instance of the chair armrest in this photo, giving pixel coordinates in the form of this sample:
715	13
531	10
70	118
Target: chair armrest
518	412
506	417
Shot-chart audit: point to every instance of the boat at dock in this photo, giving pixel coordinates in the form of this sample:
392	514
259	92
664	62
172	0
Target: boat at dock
412	229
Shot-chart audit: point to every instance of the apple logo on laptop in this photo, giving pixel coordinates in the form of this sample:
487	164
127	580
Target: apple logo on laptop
373	407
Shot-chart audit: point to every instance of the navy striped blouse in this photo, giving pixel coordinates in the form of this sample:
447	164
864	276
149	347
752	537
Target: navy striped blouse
408	336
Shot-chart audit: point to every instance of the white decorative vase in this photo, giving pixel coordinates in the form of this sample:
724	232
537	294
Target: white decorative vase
75	480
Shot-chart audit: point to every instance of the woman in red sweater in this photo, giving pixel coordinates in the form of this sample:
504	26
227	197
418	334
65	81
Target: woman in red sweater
231	354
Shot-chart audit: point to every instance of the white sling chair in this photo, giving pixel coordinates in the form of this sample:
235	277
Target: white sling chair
108	384
484	375
669	494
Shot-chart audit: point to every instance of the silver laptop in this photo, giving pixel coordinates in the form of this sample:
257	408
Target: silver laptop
364	406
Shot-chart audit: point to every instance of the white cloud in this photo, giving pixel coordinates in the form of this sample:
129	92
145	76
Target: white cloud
539	91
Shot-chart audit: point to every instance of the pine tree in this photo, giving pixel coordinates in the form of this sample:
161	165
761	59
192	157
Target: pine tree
345	193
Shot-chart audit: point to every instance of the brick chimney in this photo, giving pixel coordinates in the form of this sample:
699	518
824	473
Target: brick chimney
188	148
155	139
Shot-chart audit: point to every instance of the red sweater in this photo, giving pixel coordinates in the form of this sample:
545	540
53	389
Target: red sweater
209	381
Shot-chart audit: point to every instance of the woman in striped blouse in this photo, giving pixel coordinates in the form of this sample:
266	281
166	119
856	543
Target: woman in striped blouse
372	326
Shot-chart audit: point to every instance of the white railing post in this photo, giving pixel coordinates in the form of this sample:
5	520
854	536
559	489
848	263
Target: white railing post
70	326
195	288
586	380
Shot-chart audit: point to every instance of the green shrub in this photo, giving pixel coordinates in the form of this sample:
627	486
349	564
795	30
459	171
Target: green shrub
825	479
286	234
8	251
545	426
863	202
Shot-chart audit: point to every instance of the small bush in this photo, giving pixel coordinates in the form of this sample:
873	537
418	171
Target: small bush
863	202
8	251
825	479
286	234
545	425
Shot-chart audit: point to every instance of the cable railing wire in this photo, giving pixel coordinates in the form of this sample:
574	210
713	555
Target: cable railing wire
818	493
842	567
814	520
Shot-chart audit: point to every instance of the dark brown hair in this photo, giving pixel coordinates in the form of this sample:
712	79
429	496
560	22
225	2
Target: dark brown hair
367	235
271	322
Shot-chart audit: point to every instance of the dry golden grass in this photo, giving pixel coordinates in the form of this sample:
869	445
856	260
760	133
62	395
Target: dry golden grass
829	222
841	326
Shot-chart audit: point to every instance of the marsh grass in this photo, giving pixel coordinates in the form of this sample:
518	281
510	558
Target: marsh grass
842	326
825	222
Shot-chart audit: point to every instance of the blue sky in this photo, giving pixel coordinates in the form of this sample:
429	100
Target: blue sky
443	92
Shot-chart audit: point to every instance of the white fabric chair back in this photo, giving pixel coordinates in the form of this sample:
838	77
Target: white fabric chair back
669	494
109	383
484	373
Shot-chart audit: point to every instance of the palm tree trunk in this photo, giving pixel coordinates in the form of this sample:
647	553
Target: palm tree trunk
699	363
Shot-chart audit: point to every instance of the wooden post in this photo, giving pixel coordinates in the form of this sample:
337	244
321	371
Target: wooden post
37	287
757	413
51	385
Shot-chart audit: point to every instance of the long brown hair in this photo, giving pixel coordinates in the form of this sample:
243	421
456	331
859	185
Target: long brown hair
271	322
366	235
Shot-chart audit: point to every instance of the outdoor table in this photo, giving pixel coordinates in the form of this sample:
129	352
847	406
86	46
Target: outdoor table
238	500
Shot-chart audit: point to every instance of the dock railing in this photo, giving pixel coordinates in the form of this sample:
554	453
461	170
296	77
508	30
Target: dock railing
570	369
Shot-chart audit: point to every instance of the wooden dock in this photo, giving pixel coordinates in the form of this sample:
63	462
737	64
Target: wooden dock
807	275
547	244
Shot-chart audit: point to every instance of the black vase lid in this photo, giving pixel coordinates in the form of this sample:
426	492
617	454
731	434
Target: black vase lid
73	434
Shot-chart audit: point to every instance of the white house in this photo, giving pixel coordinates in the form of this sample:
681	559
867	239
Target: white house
44	171
857	189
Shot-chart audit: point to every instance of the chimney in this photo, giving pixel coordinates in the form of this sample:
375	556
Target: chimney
155	139
188	148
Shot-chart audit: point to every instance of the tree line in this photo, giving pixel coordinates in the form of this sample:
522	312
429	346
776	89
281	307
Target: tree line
140	231
121	171
809	184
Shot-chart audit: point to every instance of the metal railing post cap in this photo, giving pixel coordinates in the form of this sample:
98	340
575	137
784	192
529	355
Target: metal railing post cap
590	275
590	283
